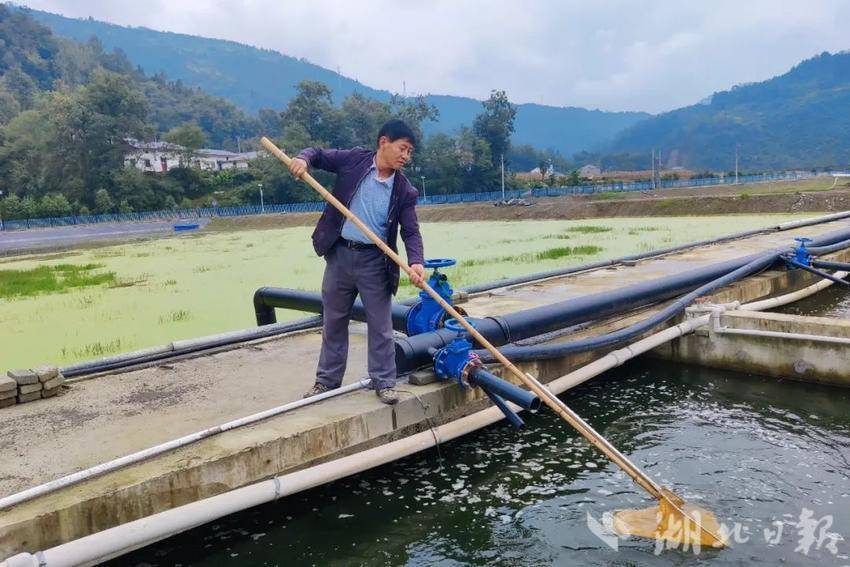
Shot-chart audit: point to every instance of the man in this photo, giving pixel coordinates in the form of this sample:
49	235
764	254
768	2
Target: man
372	185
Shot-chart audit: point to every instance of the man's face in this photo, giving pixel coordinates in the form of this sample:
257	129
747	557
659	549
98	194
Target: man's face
395	154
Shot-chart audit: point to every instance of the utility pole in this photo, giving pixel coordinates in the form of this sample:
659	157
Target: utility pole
503	176
736	164
653	169
262	205
424	193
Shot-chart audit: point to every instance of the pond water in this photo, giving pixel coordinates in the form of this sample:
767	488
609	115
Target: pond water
768	457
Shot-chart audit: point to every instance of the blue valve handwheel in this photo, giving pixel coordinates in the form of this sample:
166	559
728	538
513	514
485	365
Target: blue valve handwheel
439	263
454	326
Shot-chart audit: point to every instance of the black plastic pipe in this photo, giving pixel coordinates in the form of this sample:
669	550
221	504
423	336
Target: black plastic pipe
95	366
515	420
523	398
831	265
266	299
412	352
546	351
828	247
815	271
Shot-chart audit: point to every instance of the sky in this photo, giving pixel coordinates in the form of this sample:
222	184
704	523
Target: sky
647	55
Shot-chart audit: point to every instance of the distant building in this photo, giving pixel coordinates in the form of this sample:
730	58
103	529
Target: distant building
159	157
589	171
219	160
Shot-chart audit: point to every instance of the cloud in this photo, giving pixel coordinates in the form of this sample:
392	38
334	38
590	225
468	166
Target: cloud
614	55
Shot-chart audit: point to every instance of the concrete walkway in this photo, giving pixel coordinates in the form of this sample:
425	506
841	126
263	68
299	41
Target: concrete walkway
15	242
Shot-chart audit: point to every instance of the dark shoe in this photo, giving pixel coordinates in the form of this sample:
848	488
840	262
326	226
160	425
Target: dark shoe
387	395
317	389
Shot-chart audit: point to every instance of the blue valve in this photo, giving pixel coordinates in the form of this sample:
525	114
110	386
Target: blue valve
428	315
452	361
801	253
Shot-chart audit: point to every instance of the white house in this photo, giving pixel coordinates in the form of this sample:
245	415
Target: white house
590	171
159	157
153	156
219	160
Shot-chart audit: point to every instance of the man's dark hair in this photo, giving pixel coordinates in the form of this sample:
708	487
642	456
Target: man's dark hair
396	130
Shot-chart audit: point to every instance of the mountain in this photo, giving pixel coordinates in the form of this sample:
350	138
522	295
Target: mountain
798	119
256	78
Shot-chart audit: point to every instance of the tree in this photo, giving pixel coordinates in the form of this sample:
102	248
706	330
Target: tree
54	205
103	203
496	124
191	137
544	167
312	110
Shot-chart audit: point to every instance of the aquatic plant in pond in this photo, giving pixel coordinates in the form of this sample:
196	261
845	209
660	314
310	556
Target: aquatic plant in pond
589	229
564	251
147	287
51	279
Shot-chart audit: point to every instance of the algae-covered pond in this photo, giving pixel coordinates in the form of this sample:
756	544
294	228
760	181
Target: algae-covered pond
71	306
768	457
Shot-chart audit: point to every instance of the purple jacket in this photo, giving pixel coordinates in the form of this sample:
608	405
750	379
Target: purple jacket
351	167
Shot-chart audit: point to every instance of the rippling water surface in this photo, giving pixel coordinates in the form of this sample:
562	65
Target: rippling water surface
763	454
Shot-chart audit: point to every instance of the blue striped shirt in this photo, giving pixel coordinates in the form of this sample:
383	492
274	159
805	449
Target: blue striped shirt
370	204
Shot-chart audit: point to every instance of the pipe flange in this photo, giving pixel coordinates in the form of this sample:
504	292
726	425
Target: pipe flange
474	362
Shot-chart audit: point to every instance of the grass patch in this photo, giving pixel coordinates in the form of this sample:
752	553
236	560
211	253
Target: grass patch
174	317
606	195
168	283
94	350
588	229
127	282
744	196
51	279
564	251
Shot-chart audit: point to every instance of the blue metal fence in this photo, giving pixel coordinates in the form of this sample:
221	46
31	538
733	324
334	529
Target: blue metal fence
313	206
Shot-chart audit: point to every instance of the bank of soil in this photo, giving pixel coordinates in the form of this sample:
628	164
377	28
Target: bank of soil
754	199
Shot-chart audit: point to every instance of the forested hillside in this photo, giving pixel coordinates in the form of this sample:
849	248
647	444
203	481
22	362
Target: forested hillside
68	108
259	78
799	119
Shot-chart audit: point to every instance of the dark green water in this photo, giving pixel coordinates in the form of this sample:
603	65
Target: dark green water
834	301
760	453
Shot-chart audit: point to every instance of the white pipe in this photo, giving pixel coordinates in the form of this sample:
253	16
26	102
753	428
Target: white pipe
782	335
791	297
132	535
115	541
138	456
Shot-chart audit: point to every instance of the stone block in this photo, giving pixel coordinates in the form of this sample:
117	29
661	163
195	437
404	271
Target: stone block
49	393
7	384
29	388
54	383
24	398
46	373
23	377
422	377
8	402
8	394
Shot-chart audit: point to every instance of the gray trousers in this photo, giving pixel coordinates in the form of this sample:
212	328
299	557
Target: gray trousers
347	273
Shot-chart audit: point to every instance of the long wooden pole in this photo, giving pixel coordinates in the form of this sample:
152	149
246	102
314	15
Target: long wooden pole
532	383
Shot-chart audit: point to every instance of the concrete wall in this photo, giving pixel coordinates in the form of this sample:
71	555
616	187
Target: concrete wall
807	360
